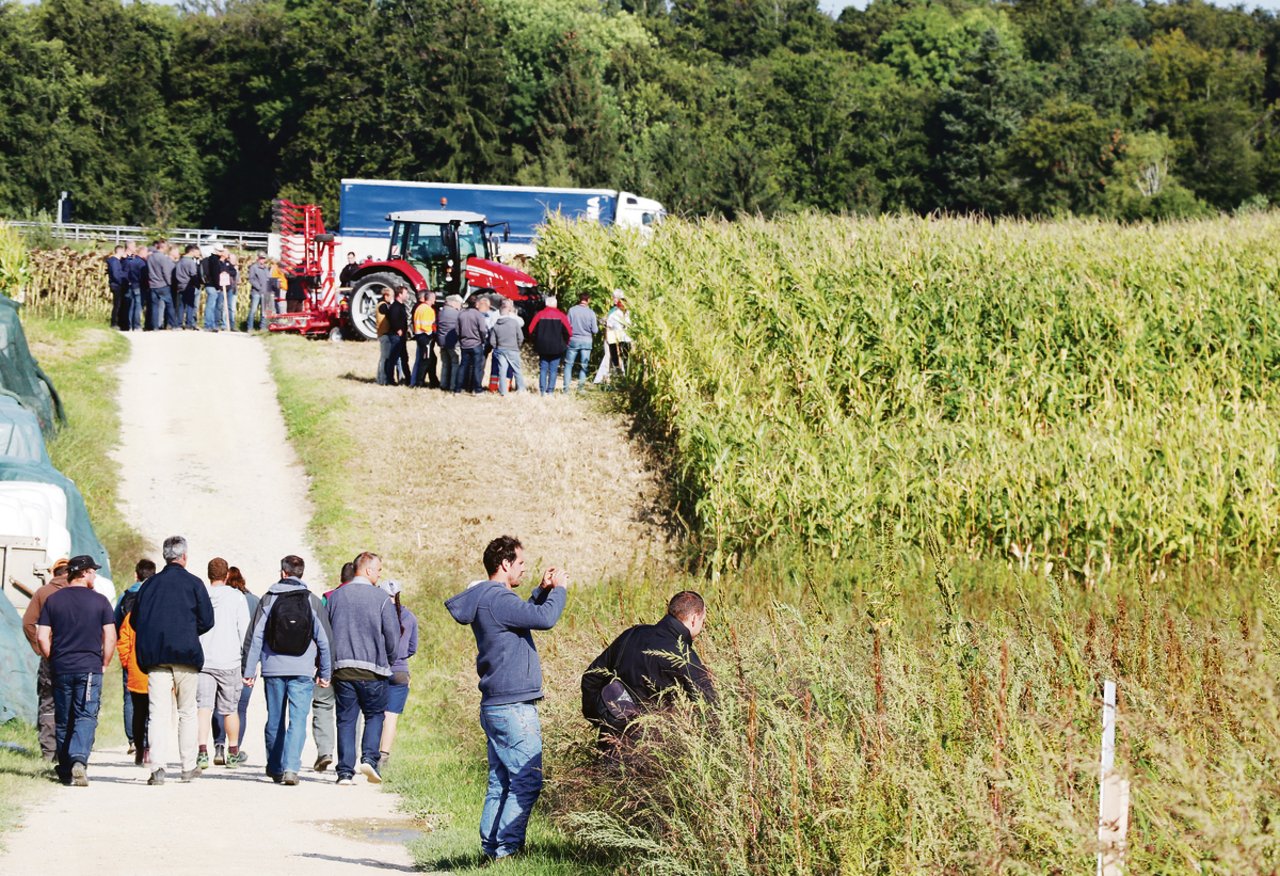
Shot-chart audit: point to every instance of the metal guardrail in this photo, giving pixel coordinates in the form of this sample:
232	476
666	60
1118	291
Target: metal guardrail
122	233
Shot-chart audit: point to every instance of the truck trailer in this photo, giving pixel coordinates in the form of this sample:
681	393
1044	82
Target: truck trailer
365	204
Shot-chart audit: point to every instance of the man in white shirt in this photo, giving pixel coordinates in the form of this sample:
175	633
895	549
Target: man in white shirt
220	680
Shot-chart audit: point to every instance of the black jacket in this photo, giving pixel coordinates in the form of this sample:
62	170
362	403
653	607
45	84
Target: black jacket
172	612
650	660
210	268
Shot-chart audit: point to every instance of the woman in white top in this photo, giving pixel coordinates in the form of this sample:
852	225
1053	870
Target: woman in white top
616	334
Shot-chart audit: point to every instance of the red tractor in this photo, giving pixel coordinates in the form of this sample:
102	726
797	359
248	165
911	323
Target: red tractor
447	251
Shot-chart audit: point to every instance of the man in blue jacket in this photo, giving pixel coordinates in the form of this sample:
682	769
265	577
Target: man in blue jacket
510	686
290	639
172	612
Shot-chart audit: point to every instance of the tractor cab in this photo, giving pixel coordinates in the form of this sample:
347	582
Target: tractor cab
440	244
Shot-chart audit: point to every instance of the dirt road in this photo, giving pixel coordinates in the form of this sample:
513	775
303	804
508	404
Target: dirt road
204	454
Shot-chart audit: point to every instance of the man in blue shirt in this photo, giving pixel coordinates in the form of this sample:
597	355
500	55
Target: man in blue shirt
77	632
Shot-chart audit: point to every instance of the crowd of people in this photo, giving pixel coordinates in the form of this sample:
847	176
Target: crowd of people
453	342
197	649
160	287
191	652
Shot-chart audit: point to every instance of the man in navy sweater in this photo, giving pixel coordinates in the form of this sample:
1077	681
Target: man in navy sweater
172	612
510	686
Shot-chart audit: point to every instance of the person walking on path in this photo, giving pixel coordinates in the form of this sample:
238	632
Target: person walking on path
473	331
366	636
135	694
398	688
172	612
221	680
259	281
551	335
447	343
46	723
324	730
143	570
76	631
235	580
506	336
510	686
287	639
211	269
583	328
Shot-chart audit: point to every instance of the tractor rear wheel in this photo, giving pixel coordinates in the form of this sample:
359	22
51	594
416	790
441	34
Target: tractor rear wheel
366	294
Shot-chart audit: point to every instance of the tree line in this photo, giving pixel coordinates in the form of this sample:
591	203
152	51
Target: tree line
201	114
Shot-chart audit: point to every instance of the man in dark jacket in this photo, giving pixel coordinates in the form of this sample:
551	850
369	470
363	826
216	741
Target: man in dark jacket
645	665
135	269
211	269
510	686
186	282
118	283
398	318
172	612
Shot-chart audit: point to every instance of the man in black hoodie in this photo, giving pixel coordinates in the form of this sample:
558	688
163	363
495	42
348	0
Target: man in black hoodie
172	611
645	665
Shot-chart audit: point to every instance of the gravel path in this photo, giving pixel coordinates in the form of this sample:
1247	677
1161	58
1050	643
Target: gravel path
204	454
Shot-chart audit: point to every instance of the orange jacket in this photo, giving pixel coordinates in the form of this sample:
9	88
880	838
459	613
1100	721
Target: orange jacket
137	679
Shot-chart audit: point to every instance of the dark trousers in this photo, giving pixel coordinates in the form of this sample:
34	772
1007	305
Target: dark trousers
141	713
119	308
127	705
46	721
400	353
386	361
472	369
356	698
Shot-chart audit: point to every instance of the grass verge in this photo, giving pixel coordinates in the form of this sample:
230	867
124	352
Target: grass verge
81	358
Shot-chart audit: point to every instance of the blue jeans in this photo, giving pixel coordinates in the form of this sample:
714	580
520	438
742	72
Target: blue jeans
472	373
508	363
255	306
76	699
547	369
288	702
190	298
134	306
580	354
220	732
386	360
514	737
354	698
213	304
162	315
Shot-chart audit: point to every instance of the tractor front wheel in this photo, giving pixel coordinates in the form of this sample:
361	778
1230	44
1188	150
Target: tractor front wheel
366	294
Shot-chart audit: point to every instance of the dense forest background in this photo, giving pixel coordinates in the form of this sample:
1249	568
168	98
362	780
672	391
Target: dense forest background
201	114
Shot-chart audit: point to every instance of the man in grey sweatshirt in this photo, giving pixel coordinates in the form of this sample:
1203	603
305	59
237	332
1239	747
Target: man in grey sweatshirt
289	673
186	281
366	636
259	280
160	269
505	337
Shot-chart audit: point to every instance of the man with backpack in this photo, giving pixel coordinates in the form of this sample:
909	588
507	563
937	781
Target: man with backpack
288	636
172	612
366	636
551	331
644	666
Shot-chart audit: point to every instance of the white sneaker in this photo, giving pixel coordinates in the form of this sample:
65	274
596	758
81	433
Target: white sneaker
371	773
346	780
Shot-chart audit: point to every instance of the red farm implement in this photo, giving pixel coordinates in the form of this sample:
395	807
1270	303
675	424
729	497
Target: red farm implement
313	305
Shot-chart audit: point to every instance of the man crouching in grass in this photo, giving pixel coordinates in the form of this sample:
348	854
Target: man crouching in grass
510	686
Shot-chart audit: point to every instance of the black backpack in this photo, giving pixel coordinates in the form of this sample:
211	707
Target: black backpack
289	624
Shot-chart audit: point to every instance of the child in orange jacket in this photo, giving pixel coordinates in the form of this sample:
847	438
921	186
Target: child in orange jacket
137	686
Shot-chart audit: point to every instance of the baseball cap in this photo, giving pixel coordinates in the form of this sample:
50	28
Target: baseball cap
81	563
60	563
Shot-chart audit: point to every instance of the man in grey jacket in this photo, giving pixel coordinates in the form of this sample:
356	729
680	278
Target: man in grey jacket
160	268
473	330
505	337
447	342
259	280
288	618
366	635
186	281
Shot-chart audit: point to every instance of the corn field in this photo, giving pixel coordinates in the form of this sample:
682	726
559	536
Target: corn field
1078	393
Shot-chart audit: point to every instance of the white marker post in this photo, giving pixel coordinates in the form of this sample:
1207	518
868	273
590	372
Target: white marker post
1113	794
